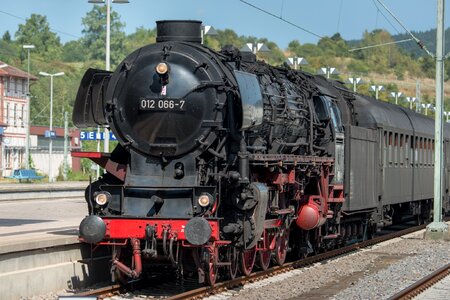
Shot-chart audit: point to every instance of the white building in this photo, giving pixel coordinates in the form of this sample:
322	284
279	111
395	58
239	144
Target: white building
13	117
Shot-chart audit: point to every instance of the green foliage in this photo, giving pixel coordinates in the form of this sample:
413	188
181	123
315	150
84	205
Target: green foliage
74	51
36	31
94	34
139	38
74	57
6	36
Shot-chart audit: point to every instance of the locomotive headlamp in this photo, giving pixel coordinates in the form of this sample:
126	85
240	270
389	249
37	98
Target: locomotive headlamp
204	200
102	198
162	68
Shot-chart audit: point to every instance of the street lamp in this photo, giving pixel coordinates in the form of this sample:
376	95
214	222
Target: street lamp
447	114
207	30
255	48
108	36
411	100
27	127
427	106
296	62
50	134
355	81
328	71
396	95
376	89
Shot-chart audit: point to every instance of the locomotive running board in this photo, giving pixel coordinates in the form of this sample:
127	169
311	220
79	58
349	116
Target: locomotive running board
103	160
291	158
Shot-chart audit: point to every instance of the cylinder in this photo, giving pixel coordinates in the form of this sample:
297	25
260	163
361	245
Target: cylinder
309	216
179	31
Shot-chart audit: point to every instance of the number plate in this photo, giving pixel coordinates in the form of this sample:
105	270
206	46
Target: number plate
162	104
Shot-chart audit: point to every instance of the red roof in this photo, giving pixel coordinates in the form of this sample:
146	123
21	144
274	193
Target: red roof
40	130
14	72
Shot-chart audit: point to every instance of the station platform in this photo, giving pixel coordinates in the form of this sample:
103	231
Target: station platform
31	186
39	247
40	222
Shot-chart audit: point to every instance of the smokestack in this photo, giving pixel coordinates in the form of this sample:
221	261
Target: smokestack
179	31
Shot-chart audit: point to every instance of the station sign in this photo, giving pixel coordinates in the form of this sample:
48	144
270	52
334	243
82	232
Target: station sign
50	134
95	136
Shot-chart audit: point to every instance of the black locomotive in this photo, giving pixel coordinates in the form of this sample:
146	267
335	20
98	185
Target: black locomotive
225	162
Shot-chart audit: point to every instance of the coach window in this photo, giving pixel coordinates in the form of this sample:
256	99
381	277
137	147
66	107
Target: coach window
385	145
422	151
429	153
390	147
432	152
416	151
396	148
406	149
401	151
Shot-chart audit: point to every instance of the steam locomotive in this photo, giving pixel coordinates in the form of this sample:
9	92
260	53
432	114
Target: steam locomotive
225	162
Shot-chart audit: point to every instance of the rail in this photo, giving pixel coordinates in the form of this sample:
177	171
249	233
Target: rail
420	286
225	285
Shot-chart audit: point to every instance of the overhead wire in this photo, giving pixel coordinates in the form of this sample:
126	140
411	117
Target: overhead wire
411	45
418	41
281	18
379	45
51	28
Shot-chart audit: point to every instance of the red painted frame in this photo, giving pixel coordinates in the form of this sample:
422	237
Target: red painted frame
135	228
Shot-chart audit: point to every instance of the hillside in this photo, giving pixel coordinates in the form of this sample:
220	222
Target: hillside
395	66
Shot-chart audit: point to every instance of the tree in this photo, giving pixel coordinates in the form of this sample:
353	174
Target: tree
74	51
7	36
94	35
140	38
36	31
295	47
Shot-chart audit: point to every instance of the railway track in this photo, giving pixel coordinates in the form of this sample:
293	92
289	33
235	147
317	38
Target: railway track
196	293
420	286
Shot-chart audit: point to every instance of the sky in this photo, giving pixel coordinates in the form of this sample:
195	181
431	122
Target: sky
321	17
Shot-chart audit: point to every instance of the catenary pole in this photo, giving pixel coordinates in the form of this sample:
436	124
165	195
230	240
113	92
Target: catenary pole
438	229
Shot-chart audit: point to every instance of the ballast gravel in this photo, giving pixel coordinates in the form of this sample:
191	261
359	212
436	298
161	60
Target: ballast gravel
375	273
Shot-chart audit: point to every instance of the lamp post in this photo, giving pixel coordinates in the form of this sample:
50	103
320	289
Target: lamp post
297	62
438	229
427	106
50	134
411	100
355	81
396	95
27	127
376	89
328	71
255	48
207	30
108	37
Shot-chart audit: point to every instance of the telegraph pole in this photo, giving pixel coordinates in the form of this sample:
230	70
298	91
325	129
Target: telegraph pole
438	229
418	106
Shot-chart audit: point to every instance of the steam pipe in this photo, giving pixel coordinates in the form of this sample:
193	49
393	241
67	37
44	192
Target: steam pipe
135	243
